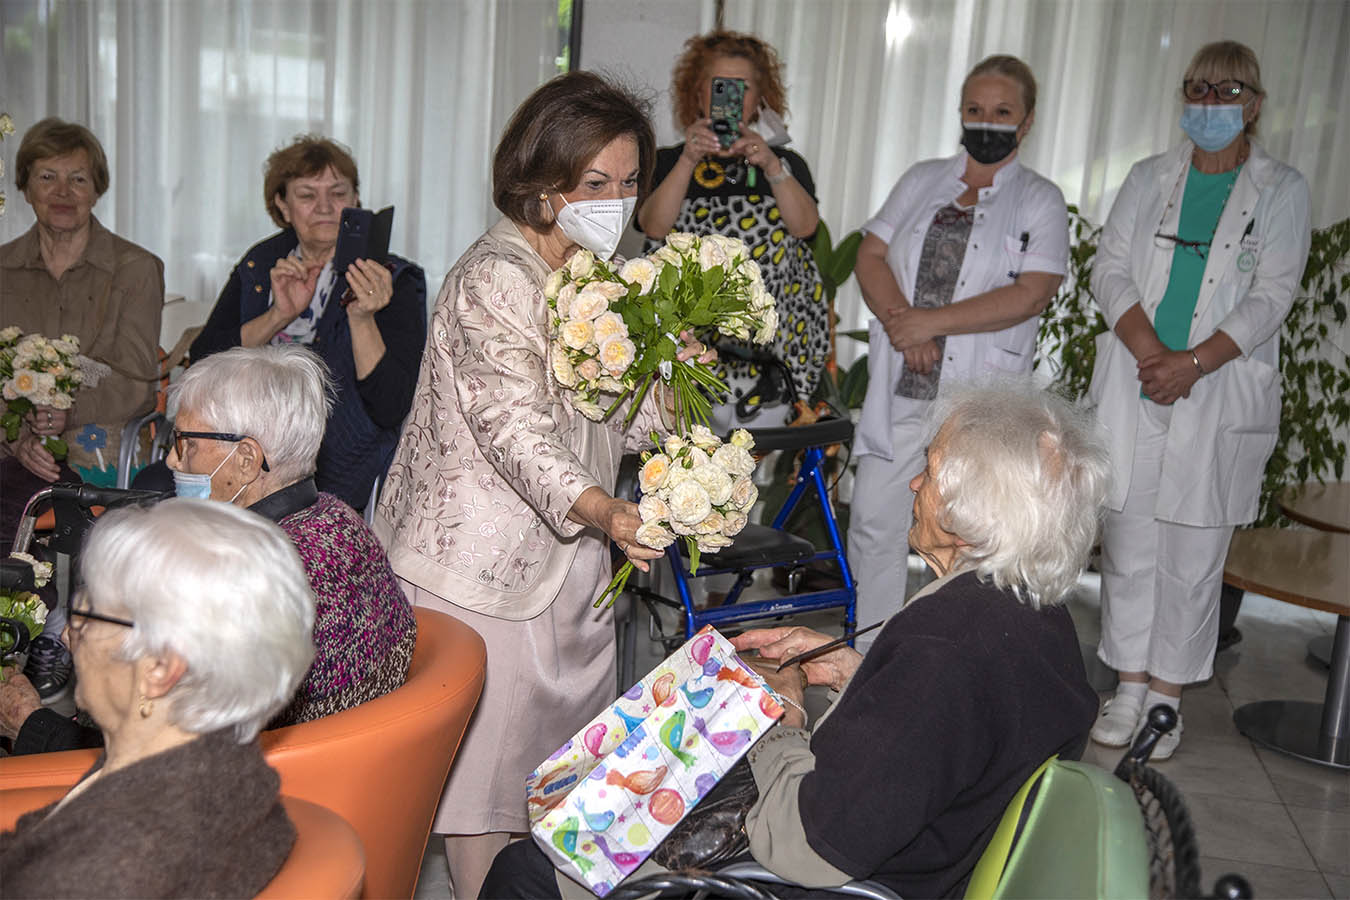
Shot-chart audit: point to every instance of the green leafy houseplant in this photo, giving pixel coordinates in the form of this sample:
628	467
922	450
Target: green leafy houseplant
840	390
1315	373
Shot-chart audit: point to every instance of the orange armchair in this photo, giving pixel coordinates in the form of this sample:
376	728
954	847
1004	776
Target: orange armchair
380	765
326	861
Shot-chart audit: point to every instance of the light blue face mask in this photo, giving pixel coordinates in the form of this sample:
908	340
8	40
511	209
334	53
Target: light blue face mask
1212	127
192	486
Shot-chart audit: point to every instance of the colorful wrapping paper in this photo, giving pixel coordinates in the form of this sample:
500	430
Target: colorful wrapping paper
601	803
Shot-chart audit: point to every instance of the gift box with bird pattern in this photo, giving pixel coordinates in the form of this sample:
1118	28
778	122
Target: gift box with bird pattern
601	802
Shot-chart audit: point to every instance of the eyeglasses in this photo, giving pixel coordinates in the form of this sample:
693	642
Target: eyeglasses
1227	91
87	612
180	441
1169	241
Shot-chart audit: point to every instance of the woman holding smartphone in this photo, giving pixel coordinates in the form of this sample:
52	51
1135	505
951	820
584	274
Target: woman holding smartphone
726	179
368	323
956	267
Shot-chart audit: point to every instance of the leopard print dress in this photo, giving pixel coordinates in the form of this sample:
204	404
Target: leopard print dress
720	201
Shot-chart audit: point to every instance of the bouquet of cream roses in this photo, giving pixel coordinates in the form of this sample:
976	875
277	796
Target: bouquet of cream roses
24	608
36	371
613	332
696	489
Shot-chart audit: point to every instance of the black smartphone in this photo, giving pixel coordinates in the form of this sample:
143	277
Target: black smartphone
726	108
363	234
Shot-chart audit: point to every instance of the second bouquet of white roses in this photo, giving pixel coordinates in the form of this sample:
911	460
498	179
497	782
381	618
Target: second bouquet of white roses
614	331
695	488
37	371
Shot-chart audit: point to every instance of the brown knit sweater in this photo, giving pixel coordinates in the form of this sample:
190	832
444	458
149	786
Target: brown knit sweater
200	820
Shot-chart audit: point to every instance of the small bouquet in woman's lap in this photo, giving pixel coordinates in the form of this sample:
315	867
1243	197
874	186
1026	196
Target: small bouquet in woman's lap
23	615
38	371
614	337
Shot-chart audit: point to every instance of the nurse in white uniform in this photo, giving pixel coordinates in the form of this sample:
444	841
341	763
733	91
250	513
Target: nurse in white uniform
1195	271
956	268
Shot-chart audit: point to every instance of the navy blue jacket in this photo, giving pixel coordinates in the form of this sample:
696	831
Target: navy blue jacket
364	426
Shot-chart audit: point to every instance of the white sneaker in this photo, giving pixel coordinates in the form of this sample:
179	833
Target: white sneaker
1118	722
1167	744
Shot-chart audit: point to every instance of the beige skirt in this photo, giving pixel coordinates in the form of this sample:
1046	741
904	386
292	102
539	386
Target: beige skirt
546	678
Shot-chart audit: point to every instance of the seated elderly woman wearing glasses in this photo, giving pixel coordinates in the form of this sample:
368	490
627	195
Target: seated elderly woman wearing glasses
973	684
248	427
192	630
249	422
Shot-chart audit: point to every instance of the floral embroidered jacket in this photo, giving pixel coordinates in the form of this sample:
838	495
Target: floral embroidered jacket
492	457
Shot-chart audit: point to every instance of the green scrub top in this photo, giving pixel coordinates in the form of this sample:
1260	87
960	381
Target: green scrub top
1201	205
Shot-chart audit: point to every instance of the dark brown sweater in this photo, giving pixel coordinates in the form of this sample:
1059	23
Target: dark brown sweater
200	820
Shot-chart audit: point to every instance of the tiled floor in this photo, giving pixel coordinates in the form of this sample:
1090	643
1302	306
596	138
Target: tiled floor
1282	823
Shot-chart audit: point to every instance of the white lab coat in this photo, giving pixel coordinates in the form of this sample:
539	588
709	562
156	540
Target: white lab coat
1019	202
1221	436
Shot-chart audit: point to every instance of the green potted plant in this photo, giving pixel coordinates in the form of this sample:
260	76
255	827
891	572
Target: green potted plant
1315	372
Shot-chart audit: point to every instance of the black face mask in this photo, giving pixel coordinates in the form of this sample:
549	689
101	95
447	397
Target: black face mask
988	143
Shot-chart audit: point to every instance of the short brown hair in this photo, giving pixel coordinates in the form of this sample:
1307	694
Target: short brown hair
1009	67
555	133
1223	60
53	137
307	155
690	75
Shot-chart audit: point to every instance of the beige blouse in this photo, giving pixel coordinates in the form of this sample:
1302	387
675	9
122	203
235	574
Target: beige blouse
111	299
492	457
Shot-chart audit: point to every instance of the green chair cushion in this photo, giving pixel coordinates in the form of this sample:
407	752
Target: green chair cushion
1083	837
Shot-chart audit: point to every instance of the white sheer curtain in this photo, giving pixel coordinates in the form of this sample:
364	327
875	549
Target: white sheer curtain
874	87
189	96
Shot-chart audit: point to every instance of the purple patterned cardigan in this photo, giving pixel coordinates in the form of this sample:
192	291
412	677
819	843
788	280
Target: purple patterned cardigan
364	629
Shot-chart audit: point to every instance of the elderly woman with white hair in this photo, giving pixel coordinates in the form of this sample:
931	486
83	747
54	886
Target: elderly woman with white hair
247	430
192	629
973	684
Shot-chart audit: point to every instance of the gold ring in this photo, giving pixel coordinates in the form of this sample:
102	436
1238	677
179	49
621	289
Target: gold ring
754	147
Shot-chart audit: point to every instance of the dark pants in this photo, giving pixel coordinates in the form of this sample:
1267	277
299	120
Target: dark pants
523	872
17	484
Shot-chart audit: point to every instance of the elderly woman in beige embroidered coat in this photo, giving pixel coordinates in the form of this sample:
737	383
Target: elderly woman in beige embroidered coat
498	507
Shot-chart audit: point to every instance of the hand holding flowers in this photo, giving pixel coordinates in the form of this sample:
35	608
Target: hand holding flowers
38	379
614	332
697	489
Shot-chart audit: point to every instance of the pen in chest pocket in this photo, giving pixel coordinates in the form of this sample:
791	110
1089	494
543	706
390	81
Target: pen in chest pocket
1026	237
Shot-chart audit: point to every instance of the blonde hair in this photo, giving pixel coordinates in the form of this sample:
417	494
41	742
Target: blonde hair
1225	60
1009	67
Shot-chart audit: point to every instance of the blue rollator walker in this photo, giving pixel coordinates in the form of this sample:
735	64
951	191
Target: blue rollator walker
768	547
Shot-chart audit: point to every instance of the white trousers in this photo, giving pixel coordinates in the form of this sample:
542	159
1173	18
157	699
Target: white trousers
1160	580
880	516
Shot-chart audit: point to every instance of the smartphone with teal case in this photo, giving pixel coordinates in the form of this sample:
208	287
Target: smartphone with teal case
726	109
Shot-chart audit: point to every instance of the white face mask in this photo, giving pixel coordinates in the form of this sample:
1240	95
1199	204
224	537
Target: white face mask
596	225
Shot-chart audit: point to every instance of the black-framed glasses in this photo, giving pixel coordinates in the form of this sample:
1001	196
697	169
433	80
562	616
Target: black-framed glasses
1197	89
1169	241
180	439
88	612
